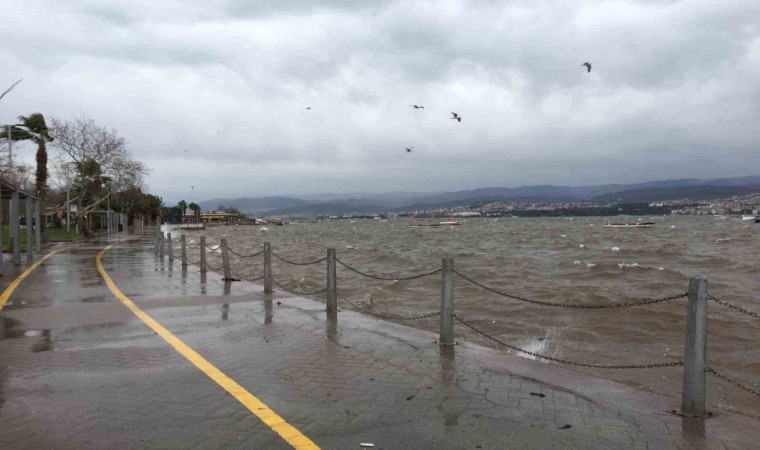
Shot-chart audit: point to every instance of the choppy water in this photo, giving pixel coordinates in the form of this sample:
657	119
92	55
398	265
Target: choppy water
560	260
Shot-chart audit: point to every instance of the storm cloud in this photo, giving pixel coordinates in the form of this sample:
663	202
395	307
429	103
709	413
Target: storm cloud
214	93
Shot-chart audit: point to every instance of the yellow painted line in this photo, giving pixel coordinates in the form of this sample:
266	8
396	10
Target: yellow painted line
294	437
12	287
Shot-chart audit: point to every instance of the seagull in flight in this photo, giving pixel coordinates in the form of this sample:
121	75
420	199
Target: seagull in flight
308	107
417	106
588	66
409	149
456	116
192	187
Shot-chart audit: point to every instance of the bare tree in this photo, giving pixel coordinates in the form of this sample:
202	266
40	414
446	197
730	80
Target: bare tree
102	163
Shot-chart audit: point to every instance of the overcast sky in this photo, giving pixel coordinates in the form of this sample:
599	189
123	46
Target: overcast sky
214	93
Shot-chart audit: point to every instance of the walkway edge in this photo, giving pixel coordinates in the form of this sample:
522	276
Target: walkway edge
289	433
12	287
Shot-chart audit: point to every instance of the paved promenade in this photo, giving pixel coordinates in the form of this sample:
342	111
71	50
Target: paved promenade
182	362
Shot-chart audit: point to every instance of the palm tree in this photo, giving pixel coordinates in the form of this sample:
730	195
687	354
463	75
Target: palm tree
196	210
33	128
182	205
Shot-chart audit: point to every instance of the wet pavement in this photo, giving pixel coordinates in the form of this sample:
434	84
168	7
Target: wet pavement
80	370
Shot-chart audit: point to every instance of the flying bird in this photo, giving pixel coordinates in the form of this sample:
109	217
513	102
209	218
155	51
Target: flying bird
409	149
308	107
456	116
588	66
192	187
417	106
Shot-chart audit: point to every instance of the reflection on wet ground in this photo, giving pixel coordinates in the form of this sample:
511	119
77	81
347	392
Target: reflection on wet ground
85	373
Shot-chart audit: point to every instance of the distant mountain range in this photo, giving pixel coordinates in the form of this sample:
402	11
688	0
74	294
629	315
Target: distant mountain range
367	203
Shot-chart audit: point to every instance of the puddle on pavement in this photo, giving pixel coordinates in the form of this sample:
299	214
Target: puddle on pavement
95	299
9	329
44	344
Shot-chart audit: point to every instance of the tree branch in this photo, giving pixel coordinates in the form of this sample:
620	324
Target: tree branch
10	88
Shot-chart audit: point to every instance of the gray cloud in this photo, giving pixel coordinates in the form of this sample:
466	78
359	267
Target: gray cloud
215	91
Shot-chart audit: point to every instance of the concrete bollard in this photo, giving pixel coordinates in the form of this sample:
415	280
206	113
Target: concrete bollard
226	261
37	229
170	246
267	268
446	335
157	240
13	214
183	243
29	221
161	246
203	254
695	353
332	283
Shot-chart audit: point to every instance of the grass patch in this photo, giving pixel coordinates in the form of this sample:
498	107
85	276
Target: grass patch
53	234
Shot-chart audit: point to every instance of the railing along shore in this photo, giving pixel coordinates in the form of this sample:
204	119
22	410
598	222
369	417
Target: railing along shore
694	359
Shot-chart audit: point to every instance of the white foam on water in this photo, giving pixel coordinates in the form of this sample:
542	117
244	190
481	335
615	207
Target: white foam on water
615	249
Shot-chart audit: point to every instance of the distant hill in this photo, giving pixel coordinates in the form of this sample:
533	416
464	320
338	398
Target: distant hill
482	200
252	205
364	203
698	192
325	209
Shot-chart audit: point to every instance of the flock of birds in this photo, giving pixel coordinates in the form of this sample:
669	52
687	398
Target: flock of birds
458	118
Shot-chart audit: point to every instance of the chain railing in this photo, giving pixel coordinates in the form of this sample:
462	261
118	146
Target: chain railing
214	268
732	381
320	291
237	275
391	316
193	246
252	255
694	361
734	307
377	277
642	302
562	360
297	263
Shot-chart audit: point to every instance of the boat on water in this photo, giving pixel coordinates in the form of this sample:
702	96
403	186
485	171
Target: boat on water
423	223
749	218
609	224
450	221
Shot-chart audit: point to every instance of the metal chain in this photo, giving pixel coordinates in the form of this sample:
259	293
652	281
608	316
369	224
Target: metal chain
213	248
176	241
193	246
296	292
732	306
195	263
567	361
244	256
244	278
308	263
732	381
563	305
385	316
214	268
413	277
